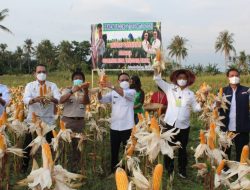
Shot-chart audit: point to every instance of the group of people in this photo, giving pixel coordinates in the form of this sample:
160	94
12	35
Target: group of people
151	46
127	99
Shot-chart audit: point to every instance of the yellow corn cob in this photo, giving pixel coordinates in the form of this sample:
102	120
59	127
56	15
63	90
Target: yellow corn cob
158	55
157	176
220	92
1	122
41	91
244	154
220	167
62	125
215	114
146	115
3	145
202	137
140	117
121	179
47	156
210	143
212	132
44	89
154	126
4	118
130	150
54	133
17	112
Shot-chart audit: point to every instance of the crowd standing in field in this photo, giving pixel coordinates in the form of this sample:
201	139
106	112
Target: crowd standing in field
128	117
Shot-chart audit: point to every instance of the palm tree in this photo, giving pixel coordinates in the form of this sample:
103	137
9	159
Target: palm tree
3	14
224	43
19	57
177	48
28	50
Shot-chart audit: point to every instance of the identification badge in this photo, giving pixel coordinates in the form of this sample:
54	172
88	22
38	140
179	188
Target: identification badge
81	106
178	102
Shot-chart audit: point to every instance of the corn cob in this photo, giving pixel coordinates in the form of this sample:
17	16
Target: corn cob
157	176
44	89
54	133
210	143
41	91
4	118
202	137
244	154
3	145
154	126
121	179
220	167
62	125
47	156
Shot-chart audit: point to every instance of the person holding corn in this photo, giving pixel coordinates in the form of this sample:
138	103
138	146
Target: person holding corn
122	117
181	101
40	96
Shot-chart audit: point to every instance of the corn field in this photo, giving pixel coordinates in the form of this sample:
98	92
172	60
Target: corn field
141	166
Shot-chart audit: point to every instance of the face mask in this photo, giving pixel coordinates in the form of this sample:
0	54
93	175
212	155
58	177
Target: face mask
41	76
124	84
182	82
234	80
77	82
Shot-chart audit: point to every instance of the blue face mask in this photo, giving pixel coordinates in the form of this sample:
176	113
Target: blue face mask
77	82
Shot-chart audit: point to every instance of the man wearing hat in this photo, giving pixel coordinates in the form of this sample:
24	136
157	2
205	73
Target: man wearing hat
180	100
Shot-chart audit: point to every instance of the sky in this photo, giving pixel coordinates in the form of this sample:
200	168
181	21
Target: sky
199	21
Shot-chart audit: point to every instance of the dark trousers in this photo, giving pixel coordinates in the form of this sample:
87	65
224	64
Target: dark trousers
27	141
182	137
240	140
116	138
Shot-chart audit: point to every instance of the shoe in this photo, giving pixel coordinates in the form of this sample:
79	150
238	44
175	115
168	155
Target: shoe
182	175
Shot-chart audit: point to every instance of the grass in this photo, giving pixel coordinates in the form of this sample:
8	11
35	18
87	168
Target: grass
100	181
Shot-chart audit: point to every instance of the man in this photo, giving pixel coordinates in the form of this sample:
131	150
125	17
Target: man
40	96
237	116
122	116
156	44
99	47
180	100
4	97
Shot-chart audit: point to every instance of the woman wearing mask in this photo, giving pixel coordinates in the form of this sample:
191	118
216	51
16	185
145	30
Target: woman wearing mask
180	100
139	96
74	100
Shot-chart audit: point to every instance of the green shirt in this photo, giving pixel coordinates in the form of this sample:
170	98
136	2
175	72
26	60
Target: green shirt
138	101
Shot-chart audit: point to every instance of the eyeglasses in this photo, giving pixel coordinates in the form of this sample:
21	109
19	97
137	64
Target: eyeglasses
124	80
41	71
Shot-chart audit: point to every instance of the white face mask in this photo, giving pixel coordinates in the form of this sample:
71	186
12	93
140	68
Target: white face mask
124	84
234	80
182	82
41	76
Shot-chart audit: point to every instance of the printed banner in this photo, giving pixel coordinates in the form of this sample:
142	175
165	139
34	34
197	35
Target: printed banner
125	45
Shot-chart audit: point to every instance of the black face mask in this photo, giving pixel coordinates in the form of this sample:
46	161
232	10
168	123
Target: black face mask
132	86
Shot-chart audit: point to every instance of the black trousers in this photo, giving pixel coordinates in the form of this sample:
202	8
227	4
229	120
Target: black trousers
27	141
116	138
182	137
240	140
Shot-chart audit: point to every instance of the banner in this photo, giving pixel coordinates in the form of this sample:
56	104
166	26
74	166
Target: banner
125	45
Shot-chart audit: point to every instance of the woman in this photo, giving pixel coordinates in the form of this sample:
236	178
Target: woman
74	100
145	41
139	97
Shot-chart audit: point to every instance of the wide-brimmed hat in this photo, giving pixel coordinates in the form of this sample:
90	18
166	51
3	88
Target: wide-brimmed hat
190	76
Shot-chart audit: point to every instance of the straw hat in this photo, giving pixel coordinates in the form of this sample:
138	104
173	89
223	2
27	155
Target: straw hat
190	76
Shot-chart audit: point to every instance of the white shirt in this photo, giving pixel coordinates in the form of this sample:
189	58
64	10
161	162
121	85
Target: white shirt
5	96
145	45
180	103
46	113
232	114
156	44
122	116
